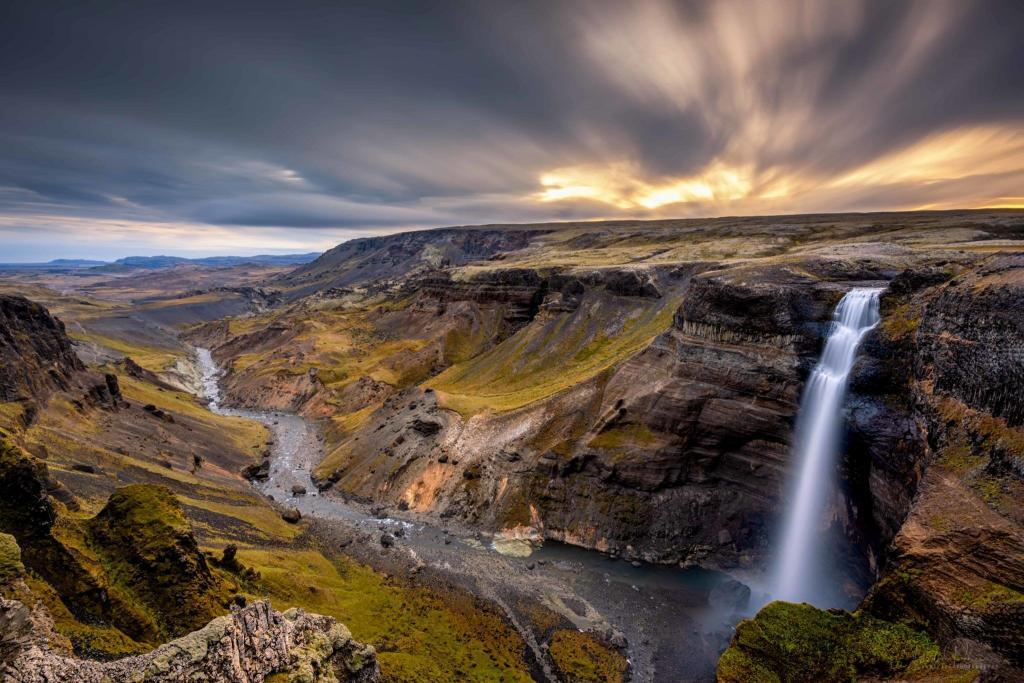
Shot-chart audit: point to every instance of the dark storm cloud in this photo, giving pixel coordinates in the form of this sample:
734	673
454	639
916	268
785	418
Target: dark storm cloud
332	117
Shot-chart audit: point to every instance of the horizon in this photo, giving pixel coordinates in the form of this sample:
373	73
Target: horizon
312	124
271	252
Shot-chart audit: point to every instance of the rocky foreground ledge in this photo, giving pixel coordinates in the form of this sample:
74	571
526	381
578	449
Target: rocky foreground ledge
250	645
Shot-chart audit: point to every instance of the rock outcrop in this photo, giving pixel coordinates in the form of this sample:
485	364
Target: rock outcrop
250	645
135	567
36	356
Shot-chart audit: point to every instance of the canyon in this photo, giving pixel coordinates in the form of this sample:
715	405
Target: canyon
584	396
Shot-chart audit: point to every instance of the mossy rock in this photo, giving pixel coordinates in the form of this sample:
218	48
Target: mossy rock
788	643
11	567
581	657
146	546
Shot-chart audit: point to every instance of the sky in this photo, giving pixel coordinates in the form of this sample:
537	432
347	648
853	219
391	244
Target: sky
200	128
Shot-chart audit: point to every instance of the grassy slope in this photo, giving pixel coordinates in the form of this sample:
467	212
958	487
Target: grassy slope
422	636
550	356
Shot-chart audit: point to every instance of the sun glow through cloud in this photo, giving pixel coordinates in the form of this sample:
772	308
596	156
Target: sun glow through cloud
977	164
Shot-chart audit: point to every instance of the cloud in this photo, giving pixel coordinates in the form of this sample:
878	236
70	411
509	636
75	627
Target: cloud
260	120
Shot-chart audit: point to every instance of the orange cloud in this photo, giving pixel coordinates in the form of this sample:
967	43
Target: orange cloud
979	166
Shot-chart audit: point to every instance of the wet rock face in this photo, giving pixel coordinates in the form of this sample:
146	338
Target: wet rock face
764	309
972	332
36	356
247	646
936	451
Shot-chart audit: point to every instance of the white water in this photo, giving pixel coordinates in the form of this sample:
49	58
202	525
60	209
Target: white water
801	573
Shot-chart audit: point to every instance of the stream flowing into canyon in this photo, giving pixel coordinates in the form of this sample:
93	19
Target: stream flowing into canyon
802	575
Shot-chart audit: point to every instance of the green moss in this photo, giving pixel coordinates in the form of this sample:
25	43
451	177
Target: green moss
97	641
788	643
11	567
148	552
580	657
901	322
960	459
987	595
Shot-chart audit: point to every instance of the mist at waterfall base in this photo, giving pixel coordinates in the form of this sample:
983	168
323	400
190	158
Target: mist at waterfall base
808	567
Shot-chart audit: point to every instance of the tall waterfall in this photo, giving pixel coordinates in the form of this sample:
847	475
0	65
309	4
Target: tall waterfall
801	574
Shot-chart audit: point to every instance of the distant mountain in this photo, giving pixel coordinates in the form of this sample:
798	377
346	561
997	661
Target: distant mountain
268	259
155	262
55	264
74	263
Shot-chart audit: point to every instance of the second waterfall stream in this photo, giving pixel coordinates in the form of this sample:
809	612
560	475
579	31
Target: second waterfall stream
801	571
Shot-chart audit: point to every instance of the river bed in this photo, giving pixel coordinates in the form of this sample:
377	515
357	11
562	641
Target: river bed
676	621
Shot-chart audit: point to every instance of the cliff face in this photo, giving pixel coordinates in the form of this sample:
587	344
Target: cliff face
672	447
134	570
933	467
646	406
948	452
689	452
35	353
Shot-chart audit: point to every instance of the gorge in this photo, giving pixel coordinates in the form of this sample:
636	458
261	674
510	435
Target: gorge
562	452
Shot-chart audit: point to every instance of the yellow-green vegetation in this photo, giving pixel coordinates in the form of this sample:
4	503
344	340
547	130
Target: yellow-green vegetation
99	641
125	570
988	594
11	415
420	635
248	517
786	642
147	549
624	436
243	434
550	356
465	341
342	343
900	323
581	658
152	358
11	567
975	437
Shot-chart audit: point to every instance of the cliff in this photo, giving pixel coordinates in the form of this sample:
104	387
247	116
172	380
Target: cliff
35	353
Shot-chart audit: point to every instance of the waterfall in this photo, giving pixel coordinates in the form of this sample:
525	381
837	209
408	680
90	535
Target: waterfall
801	571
